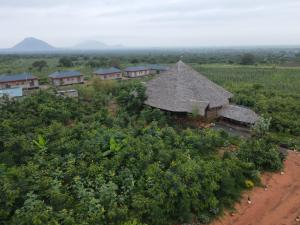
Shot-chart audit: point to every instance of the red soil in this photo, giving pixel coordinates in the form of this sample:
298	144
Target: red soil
279	204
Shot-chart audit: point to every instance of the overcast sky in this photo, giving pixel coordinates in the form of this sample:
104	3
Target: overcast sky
152	22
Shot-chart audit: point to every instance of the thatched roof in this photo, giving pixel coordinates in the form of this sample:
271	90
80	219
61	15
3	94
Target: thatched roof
238	113
182	89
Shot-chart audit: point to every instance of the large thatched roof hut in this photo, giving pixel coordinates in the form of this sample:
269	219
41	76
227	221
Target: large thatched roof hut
182	89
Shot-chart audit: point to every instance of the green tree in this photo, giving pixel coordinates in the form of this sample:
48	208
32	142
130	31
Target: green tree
65	62
261	127
134	61
66	161
248	59
93	64
39	65
132	98
265	156
115	62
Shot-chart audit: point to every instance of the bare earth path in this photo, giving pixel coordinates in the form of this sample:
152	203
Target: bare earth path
278	205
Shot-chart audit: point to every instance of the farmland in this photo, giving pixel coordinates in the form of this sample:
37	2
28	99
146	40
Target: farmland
283	80
271	91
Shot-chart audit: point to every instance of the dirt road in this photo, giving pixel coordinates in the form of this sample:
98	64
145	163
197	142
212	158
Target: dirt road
279	204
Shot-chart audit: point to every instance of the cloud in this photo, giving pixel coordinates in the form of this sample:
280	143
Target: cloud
155	22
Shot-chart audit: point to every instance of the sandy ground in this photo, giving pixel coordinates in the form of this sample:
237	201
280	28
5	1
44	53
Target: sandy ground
279	204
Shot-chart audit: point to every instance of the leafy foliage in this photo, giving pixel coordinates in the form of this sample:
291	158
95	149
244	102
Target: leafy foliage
71	162
132	97
265	156
247	59
39	65
271	91
261	127
65	62
64	161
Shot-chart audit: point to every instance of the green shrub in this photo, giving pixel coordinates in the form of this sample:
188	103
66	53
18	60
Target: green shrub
264	156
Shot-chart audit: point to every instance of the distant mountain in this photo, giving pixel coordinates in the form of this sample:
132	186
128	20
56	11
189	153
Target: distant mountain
90	45
32	45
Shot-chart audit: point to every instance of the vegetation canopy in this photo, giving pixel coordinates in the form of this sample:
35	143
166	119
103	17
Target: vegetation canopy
66	161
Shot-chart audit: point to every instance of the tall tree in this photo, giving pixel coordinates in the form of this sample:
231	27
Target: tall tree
39	65
247	59
65	62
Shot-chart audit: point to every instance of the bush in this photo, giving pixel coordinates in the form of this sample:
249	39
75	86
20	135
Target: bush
132	97
66	161
39	65
248	59
65	62
261	127
104	86
265	156
150	114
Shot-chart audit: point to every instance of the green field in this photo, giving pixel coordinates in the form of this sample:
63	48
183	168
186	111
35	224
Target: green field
280	79
270	91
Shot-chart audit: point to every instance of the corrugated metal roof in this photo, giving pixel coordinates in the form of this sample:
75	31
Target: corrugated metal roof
103	71
67	73
16	77
12	92
136	68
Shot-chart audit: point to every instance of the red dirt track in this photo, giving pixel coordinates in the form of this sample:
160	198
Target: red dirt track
278	205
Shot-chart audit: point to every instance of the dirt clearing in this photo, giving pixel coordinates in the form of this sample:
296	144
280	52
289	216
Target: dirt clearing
278	204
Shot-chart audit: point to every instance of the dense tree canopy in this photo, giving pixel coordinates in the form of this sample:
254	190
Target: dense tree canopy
247	59
65	62
64	161
39	65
